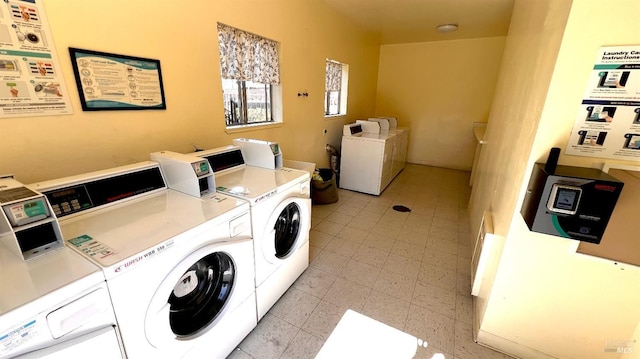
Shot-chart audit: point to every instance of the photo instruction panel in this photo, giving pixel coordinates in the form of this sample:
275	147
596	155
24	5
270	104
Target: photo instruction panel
608	121
31	83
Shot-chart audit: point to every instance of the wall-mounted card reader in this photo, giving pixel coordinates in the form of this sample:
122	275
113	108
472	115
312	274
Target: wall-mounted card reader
28	226
571	202
186	173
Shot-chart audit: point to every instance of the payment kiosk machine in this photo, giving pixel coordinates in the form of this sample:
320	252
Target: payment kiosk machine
28	224
570	202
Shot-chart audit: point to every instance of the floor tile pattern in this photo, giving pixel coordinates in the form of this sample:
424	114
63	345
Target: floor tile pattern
409	270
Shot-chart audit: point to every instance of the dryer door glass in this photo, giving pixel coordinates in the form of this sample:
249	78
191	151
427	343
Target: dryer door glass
287	228
201	294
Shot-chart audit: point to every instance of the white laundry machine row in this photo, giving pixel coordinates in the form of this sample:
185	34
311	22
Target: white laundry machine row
280	218
370	156
389	125
55	306
179	268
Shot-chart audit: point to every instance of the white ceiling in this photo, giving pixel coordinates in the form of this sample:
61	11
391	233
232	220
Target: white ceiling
405	21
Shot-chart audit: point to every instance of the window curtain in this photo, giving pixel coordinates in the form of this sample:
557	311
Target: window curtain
333	80
247	57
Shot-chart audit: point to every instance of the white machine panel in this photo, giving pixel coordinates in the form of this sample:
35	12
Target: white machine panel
383	122
186	173
366	164
260	153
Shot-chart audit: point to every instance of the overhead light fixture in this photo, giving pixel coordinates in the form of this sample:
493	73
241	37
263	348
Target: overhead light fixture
447	28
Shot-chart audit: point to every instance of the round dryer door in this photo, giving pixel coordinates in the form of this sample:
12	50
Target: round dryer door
201	293
191	298
286	229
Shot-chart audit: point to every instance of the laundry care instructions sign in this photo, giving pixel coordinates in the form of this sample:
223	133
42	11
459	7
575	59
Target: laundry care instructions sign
608	122
31	80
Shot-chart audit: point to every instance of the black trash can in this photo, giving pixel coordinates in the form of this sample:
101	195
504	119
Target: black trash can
323	187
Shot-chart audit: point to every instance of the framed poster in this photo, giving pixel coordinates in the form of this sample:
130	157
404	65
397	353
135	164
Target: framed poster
117	82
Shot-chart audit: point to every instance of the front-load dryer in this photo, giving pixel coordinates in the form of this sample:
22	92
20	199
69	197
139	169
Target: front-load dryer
280	218
55	306
179	268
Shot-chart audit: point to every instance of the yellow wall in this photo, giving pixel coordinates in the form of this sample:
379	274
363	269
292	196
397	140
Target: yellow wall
439	89
183	37
541	297
529	56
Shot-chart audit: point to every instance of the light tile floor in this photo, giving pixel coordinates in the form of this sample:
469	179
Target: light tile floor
408	270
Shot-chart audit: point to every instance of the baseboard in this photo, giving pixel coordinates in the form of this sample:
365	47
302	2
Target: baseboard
439	165
508	347
501	344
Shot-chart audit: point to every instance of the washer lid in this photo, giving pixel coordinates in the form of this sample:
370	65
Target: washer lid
255	184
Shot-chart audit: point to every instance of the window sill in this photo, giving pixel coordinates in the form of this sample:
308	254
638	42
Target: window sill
253	127
331	117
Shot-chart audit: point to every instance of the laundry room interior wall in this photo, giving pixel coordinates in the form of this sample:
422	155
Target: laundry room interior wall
183	36
439	89
538	296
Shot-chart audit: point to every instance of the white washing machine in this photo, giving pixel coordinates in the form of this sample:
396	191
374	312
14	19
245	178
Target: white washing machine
280	218
389	125
366	160
179	268
55	306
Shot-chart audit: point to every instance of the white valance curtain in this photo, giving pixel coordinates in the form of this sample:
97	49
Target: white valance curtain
333	80
247	57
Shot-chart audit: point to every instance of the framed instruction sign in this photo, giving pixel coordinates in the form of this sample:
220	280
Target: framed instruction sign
117	82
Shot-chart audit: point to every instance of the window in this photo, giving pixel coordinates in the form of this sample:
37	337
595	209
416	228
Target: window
249	68
246	102
335	93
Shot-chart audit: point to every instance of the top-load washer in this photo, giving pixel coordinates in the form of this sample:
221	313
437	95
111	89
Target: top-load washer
54	305
280	218
179	268
389	125
366	157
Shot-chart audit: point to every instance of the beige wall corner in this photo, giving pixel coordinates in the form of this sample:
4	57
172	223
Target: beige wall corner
439	89
545	296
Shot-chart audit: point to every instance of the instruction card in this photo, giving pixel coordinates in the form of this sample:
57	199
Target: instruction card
91	247
608	121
